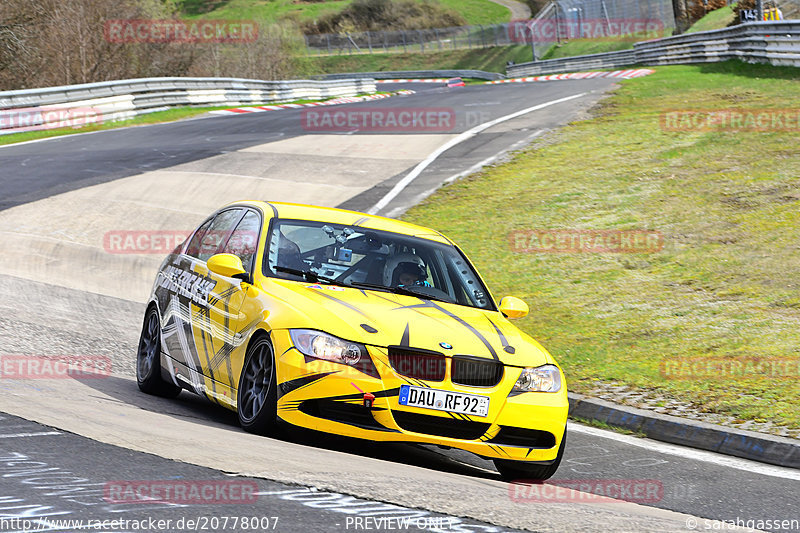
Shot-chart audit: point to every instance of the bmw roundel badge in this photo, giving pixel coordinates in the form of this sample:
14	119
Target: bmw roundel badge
446	345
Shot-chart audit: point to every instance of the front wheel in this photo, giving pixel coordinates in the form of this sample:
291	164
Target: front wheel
148	359
257	400
520	470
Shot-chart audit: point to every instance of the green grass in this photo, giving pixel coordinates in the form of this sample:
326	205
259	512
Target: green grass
728	206
271	11
489	59
714	20
479	11
474	11
580	47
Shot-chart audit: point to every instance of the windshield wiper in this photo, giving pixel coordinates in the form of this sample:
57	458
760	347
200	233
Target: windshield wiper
309	275
398	290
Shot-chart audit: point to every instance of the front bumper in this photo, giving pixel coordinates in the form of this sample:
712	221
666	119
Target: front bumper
329	397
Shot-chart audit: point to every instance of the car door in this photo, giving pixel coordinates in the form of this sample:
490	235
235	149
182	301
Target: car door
193	287
223	343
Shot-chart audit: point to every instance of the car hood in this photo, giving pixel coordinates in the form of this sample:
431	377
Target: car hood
385	319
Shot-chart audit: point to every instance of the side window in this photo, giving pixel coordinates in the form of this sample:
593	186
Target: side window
194	245
244	239
218	233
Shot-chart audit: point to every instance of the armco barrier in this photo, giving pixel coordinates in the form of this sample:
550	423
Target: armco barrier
114	100
777	43
411	74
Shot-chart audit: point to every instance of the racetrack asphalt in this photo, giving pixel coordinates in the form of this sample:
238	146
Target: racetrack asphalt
66	294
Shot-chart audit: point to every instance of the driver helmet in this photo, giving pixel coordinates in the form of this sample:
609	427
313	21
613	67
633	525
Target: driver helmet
404	264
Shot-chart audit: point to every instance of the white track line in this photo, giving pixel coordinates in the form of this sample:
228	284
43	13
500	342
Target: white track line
474	168
403	183
18	435
690	453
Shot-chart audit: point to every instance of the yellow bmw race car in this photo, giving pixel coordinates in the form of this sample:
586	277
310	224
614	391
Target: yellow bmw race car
351	324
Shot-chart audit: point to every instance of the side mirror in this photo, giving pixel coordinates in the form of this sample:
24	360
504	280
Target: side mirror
227	265
513	307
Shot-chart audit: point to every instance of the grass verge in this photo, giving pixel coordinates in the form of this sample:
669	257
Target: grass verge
489	59
727	204
581	47
714	20
474	11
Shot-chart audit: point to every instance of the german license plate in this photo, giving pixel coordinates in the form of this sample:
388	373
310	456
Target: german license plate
442	400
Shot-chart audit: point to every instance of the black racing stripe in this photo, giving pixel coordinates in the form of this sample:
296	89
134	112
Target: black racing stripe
529	452
360	221
416	307
377	295
288	386
289	350
506	347
224	295
406	337
466	325
431	303
337	300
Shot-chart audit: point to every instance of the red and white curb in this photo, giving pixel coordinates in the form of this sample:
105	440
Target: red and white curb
622	74
277	107
426	80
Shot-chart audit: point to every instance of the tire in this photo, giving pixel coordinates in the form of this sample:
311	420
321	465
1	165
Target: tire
520	470
257	397
148	358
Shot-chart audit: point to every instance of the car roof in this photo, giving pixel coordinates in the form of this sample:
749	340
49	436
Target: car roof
342	216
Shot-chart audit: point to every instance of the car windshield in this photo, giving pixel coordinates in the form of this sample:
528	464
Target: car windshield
322	252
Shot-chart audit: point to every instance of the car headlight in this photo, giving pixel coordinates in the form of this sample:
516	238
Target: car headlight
545	378
323	346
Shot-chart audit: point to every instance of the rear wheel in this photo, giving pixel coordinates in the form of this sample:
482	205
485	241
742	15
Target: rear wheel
257	400
520	470
148	359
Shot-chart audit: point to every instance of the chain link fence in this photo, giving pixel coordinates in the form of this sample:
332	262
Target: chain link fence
431	40
560	20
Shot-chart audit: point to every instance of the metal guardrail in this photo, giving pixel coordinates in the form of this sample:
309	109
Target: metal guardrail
777	43
114	100
413	74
